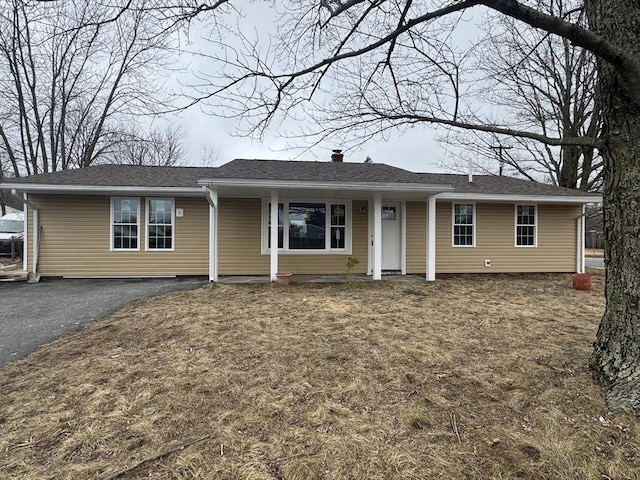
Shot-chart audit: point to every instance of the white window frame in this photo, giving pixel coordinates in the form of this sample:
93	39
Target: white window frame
111	222
285	240
473	224
516	225
173	225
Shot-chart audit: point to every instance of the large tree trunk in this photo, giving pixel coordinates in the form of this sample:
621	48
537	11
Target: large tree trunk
616	355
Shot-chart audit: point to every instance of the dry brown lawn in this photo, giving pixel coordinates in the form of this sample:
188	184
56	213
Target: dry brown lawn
470	377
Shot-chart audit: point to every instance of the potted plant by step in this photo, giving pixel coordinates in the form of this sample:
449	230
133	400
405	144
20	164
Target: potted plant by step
283	278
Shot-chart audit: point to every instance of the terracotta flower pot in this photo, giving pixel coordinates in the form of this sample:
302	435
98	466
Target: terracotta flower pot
283	278
582	281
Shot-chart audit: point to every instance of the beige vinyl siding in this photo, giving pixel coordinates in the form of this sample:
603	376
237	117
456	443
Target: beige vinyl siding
240	243
75	239
239	237
416	242
495	241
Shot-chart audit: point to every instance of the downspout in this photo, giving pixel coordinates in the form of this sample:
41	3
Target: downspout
582	241
36	243
36	235
580	225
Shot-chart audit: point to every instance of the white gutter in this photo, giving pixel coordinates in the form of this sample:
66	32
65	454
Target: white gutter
496	197
289	184
95	189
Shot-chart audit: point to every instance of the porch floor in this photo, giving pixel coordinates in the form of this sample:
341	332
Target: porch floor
299	278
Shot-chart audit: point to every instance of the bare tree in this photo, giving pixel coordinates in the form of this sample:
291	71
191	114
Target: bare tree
68	77
368	66
539	82
133	146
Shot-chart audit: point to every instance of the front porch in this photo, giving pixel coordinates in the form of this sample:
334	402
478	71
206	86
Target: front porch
362	230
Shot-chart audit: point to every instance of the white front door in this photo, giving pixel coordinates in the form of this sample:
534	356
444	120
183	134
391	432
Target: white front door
391	237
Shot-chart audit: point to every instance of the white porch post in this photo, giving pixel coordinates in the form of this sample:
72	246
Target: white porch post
212	198
274	235
431	238
377	236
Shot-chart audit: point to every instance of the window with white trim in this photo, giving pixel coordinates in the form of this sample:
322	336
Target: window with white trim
160	220
125	226
309	226
526	226
463	225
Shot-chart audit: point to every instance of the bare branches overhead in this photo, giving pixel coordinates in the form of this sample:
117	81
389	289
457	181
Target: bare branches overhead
358	69
70	73
542	83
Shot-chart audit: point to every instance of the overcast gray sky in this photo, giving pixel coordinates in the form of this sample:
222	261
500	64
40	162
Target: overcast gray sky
415	149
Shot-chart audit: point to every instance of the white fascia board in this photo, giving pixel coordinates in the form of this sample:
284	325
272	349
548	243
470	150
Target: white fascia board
374	186
100	189
495	197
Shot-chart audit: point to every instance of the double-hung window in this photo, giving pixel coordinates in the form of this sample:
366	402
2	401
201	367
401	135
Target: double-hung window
125	224
160	222
526	226
463	225
309	226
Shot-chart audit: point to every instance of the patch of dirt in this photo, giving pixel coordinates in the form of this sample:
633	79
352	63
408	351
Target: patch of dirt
466	377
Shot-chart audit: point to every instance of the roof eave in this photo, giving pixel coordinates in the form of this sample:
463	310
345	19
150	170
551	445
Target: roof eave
505	197
99	189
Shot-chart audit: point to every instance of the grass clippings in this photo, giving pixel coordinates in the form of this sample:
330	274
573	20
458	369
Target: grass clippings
467	377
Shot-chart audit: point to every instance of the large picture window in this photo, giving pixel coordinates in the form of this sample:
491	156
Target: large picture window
160	224
309	226
463	225
526	226
125	227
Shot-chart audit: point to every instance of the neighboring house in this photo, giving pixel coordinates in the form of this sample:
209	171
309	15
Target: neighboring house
117	220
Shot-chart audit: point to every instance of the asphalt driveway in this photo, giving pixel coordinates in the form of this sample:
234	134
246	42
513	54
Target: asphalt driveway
34	314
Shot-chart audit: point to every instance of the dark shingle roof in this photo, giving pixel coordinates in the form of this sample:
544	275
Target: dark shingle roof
243	169
121	176
316	171
491	184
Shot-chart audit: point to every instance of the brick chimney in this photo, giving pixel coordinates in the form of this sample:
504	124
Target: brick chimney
337	156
